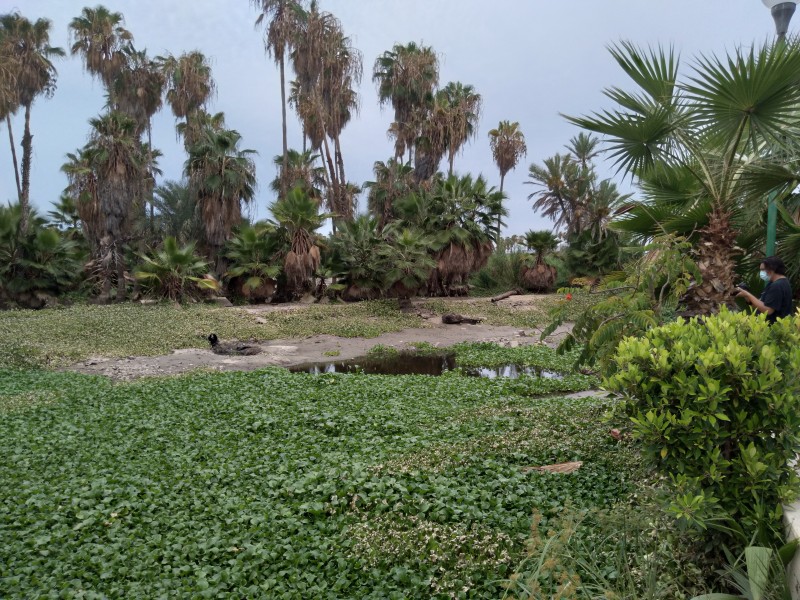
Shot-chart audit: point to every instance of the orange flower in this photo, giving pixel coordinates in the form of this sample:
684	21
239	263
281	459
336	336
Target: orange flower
569	296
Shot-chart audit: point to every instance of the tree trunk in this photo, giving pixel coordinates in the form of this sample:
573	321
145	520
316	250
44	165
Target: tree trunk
27	151
153	183
452	160
122	286
285	140
333	192
715	260
348	210
502	182
14	156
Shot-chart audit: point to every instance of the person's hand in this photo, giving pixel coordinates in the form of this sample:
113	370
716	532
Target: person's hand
740	293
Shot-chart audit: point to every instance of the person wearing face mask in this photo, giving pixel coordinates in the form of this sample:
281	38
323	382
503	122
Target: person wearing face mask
776	299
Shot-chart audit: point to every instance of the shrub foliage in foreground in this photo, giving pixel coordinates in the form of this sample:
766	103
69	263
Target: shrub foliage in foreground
717	405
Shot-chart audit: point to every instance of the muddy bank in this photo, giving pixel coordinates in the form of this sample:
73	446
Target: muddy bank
288	353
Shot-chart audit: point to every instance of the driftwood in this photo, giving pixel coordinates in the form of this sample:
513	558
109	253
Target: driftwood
454	319
508	294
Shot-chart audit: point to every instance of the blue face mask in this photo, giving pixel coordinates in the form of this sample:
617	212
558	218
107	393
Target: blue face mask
763	275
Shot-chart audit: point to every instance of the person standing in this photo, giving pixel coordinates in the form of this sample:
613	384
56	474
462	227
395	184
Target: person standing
776	299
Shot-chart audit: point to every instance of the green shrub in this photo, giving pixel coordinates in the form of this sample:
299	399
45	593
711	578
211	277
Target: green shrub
36	264
175	273
716	405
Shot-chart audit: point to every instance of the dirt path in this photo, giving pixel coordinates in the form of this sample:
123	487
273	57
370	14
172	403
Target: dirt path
319	348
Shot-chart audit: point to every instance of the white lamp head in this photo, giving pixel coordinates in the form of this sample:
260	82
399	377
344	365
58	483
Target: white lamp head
782	11
770	4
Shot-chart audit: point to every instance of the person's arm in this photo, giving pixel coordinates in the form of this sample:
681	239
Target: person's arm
755	302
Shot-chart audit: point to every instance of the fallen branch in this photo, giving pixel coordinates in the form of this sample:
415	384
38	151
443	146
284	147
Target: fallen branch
506	295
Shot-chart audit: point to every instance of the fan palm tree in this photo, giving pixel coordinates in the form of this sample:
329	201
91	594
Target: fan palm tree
406	77
540	276
508	146
116	158
707	125
222	177
99	37
189	88
282	17
303	171
34	76
462	106
393	181
297	216
328	71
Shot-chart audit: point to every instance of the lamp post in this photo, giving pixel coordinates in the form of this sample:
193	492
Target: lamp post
782	12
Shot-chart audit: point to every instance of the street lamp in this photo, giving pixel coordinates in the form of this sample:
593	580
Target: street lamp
782	12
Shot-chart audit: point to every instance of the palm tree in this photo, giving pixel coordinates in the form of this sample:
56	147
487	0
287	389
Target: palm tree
462	106
508	146
459	214
297	215
540	277
177	215
706	126
406	76
189	88
563	188
303	171
99	37
118	162
222	176
82	188
34	76
328	71
393	181
280	35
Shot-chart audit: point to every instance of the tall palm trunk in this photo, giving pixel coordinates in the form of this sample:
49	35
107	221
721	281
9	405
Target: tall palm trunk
333	191
285	138
153	184
452	158
27	151
502	183
347	210
14	156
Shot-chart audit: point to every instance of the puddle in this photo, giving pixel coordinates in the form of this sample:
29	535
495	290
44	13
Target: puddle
513	372
409	363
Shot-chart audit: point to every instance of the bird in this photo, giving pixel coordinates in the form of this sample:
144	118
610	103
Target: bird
232	348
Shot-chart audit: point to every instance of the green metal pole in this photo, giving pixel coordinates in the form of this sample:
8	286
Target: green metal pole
772	224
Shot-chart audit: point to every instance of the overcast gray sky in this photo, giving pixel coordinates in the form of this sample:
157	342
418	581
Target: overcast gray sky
529	59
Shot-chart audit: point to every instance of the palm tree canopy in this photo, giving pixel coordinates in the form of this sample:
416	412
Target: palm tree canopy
30	53
189	82
282	18
508	146
99	36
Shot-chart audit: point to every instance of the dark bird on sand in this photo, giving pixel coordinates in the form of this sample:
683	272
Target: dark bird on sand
232	348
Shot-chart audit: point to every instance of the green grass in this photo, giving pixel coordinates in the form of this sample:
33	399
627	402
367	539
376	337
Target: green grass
274	485
64	336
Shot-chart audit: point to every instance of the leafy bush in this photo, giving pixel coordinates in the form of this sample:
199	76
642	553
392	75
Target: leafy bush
502	272
37	264
175	273
716	405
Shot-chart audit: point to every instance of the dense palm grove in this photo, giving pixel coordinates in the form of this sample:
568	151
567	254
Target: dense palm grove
702	156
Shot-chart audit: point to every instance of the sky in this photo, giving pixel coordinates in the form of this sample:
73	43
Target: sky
531	61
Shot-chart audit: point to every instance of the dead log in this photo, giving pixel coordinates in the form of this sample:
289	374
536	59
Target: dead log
454	319
508	294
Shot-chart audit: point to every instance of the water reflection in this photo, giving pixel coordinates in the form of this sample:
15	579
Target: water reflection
409	363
